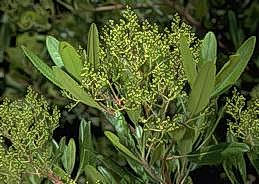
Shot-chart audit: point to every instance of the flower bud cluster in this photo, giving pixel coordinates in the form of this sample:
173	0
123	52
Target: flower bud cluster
246	123
141	62
26	128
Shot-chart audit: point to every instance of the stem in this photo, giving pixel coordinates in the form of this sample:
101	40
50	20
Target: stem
184	108
149	171
66	5
54	179
149	149
191	155
186	175
213	128
80	167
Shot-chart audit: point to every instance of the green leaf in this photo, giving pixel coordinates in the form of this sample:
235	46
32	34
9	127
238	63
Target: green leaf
93	46
188	62
157	154
246	49
86	143
116	168
209	49
227	74
241	166
69	156
184	145
139	132
53	49
234	30
62	144
177	134
134	114
86	149
116	142
93	176
254	159
58	149
106	175
202	88
234	165
61	79
55	145
212	125
60	172
41	66
34	179
253	155
121	126
215	154
227	166
233	69
71	59
139	169
73	87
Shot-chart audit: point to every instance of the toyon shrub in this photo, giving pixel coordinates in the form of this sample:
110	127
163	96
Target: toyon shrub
159	90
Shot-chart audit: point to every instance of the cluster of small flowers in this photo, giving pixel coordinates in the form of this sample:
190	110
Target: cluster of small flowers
26	127
164	125
145	63
246	122
95	81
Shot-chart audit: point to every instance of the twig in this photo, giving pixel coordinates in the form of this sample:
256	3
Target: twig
122	6
184	13
54	179
69	7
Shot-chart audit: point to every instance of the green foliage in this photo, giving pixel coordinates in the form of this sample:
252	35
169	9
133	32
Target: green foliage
69	156
202	88
217	153
52	45
209	48
93	47
138	70
232	70
232	22
188	63
72	61
116	141
40	65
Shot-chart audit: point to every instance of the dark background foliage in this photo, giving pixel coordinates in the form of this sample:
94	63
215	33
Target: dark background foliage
27	22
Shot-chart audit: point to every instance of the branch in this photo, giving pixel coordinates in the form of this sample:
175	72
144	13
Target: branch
54	179
123	6
181	11
184	13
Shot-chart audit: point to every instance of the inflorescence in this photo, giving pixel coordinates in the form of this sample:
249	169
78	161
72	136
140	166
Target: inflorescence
246	123
26	128
139	65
